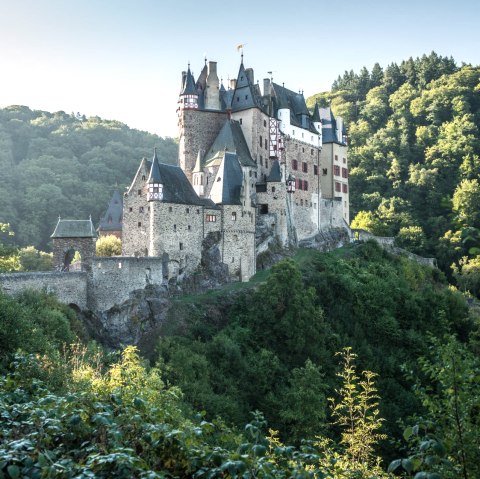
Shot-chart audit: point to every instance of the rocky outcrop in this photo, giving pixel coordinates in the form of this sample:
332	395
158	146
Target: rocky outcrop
327	239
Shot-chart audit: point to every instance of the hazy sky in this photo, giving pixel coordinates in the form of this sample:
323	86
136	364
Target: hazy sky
123	59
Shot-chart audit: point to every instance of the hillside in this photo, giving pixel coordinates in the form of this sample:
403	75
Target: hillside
269	346
414	153
56	164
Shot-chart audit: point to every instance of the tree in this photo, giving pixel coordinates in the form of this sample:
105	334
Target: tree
356	411
33	260
9	260
466	203
467	274
109	245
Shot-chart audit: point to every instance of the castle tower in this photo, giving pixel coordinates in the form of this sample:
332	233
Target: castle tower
200	117
155	184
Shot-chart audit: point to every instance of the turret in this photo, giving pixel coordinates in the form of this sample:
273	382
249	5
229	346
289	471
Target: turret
188	93
317	123
212	94
198	176
155	184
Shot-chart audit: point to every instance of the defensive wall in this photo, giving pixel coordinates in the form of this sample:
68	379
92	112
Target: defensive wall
110	281
70	288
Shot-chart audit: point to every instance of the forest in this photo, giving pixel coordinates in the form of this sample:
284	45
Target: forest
333	365
59	164
348	364
414	156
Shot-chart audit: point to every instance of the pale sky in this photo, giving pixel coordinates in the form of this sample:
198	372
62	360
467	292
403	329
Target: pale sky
122	60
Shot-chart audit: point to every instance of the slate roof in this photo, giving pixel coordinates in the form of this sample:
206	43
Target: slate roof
231	139
227	186
74	229
316	114
177	188
295	102
329	127
245	94
112	219
189	85
275	174
155	176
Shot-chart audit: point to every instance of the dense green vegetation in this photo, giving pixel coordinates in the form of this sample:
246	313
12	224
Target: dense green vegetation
414	153
56	164
285	348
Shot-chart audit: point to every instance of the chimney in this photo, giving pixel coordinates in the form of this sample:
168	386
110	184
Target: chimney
212	97
266	87
249	72
233	84
184	78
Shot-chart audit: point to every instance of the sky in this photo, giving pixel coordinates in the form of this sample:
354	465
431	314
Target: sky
122	59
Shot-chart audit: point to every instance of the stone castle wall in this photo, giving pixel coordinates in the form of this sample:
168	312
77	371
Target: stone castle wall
238	244
114	278
198	130
177	230
85	246
70	288
135	240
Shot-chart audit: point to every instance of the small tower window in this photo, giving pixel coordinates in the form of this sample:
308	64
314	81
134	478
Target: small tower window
324	171
264	122
140	210
169	209
189	228
174	227
130	209
188	210
139	224
181	246
240	121
143	177
139	192
234	216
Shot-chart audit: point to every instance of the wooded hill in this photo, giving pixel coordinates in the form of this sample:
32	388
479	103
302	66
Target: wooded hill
414	152
56	164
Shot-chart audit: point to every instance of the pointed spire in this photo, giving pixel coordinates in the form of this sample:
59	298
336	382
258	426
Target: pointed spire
316	114
198	163
154	176
189	84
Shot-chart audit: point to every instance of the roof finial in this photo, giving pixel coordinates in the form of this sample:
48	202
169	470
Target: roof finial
240	48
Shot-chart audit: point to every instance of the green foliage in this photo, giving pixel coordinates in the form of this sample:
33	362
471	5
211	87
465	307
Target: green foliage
467	274
414	151
109	245
55	164
33	260
356	412
35	323
9	260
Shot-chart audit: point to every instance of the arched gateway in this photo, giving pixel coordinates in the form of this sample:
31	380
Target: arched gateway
70	237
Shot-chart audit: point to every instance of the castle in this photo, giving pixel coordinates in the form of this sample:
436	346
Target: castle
255	168
250	160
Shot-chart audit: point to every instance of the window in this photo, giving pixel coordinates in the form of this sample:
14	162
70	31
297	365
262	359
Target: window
234	216
304	167
336	157
324	171
303	150
189	228
169	209
261	141
240	121
294	165
345	188
139	224
266	144
181	246
311	151
315	169
264	122
261	160
198	212
246	97
305	185
211	218
187	210
140	210
174	227
299	184
344	172
301	202
344	160
266	163
143	178
130	209
273	189
139	192
337	186
336	170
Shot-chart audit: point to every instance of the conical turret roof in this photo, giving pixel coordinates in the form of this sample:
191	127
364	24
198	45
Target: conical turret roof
189	86
154	176
316	114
